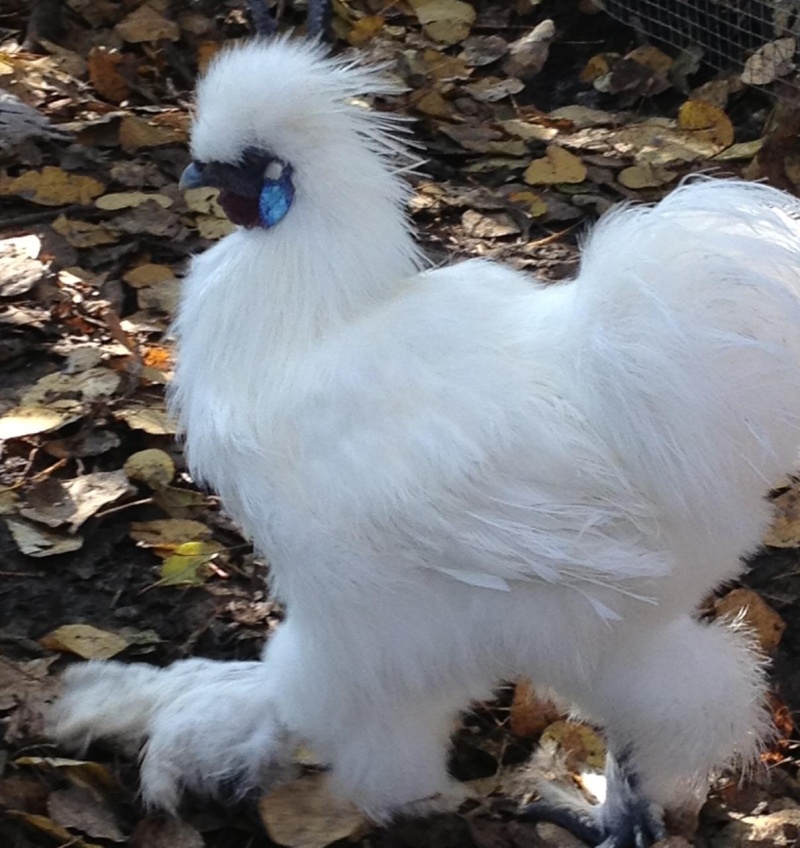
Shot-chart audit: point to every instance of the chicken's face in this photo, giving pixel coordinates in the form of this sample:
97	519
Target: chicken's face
255	191
274	128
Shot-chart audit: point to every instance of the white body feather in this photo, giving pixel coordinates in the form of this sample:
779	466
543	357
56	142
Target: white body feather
460	476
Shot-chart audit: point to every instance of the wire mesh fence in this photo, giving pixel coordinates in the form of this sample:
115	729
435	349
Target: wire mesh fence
755	37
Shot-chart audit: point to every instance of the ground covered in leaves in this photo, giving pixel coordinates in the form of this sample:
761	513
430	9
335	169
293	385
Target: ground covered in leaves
535	118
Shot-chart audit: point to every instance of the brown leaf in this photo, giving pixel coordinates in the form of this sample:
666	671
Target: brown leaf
165	833
527	55
530	714
365	29
756	613
147	24
83	233
785	530
104	74
136	133
305	814
148	274
481	225
83	809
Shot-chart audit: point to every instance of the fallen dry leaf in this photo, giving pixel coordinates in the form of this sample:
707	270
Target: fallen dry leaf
131	199
530	715
137	133
104	74
147	24
154	421
699	115
30	420
85	641
445	21
166	534
557	166
33	540
57	502
20	269
86	810
148	274
770	62
78	772
53	186
581	744
84	233
646	176
785	529
305	814
190	564
749	607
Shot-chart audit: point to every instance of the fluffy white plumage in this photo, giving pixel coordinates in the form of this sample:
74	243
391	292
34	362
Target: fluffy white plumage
460	475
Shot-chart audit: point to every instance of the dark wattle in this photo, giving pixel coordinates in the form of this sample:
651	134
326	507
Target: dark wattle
240	209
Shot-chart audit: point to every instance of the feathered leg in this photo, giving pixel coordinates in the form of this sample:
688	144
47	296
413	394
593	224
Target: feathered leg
626	819
678	701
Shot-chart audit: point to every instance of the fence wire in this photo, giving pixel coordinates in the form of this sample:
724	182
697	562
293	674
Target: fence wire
754	36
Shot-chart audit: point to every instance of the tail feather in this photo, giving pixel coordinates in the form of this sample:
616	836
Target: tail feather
688	321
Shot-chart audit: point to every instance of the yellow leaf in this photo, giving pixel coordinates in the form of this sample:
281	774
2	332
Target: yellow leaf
445	21
86	641
189	565
152	466
131	199
534	204
582	746
213	228
364	29
80	772
557	166
699	115
53	187
167	533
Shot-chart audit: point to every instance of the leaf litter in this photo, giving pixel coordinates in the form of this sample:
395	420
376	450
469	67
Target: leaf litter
536	117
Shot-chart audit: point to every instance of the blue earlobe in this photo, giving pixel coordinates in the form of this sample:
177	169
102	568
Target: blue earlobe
275	199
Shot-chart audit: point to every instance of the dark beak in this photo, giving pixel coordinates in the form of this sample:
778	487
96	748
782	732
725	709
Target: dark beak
192	177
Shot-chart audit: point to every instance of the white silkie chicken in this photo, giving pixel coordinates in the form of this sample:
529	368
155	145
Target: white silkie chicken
460	475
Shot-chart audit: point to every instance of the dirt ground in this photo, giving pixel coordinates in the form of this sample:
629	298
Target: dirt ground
134	549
